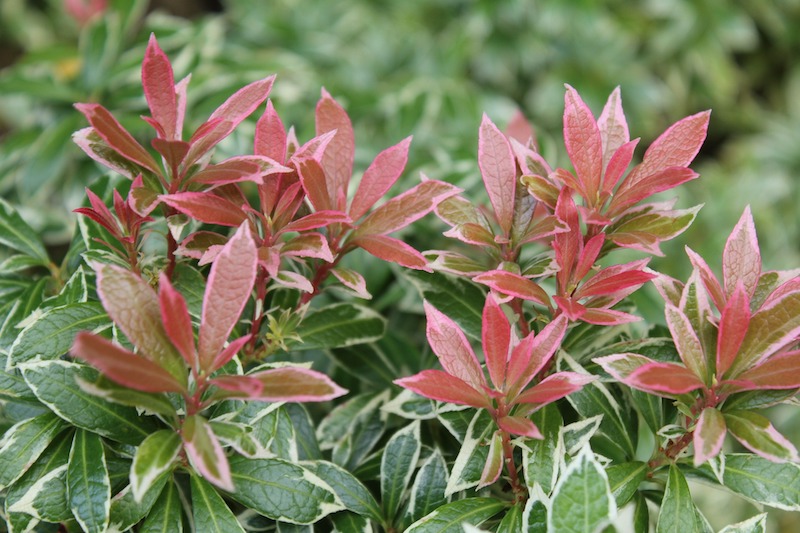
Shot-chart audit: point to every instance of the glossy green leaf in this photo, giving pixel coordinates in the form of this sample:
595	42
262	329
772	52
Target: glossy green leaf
351	492
512	521
154	456
22	444
468	466
166	515
624	479
582	499
52	333
55	384
449	517
210	511
397	466
763	481
18	308
678	513
542	457
455	297
339	325
149	403
16	234
428	490
304	430
88	485
346	522
126	511
282	491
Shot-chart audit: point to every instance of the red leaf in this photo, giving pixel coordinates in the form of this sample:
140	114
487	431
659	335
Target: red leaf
496	341
513	285
112	132
122	366
177	322
499	171
444	387
778	372
452	348
615	279
741	259
554	387
316	220
607	317
205	452
270	137
520	129
239	386
409	207
584	144
630	193
230	350
229	286
295	384
379	177
159	89
613	130
531	355
392	250
207	207
663	378
353	281
226	117
617	165
338	158
518	425
314	181
308	245
237	169
588	256
733	325
708	278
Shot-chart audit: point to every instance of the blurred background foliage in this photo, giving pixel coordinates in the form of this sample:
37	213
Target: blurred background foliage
428	68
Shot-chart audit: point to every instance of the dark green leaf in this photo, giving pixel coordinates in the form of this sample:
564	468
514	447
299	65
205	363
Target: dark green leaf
88	485
467	469
427	492
449	517
166	516
126	511
541	463
458	298
350	491
16	234
211	513
339	325
306	438
512	521
678	513
18	308
397	466
624	479
762	481
23	443
346	522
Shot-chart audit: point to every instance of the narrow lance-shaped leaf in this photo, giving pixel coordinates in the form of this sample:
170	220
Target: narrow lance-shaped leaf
88	485
270	137
209	509
177	322
758	434
584	144
340	153
397	466
159	89
452	348
494	461
496	338
778	372
229	286
733	326
687	343
515	285
392	250
532	353
293	384
613	127
678	513
314	181
154	456
496	161
205	451
665	379
741	258
207	207
709	435
444	387
379	177
18	235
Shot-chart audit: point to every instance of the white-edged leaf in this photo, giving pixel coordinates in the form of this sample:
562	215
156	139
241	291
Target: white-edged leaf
210	512
763	481
88	484
23	443
126	511
42	491
542	458
428	490
166	515
154	456
756	524
339	325
16	234
576	435
468	466
449	518
397	466
582	499
350	491
678	513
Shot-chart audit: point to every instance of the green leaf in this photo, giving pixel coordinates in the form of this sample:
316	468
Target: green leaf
351	492
536	510
75	290
411	406
512	521
151	403
18	308
55	384
469	463
166	516
756	524
427	492
397	466
51	334
678	513
641	515
22	444
449	517
582	499
758	434
366	432
624	479
458	298
305	435
192	285
651	407
16	234
339	325
542	457
126	511
211	513
42	491
345	522
88	485
762	481
154	456
282	491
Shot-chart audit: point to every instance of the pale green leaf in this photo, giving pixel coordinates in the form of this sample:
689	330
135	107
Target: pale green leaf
88	485
582	499
758	434
756	524
154	456
678	513
351	492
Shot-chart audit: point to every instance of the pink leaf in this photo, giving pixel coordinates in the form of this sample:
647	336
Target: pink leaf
112	132
708	278
531	355
663	379
519	425
541	228
338	158
669	288
496	340
317	220
239	386
196	244
709	435
177	322
554	387
353	280
98	149
741	259
133	306
607	317
496	161
452	348
308	245
295	384
229	352
617	165
229	286
588	256
379	177
270	138
584	144
630	193
392	250
733	325
686	342
122	366
207	207
444	387
227	116
409	207
514	285
778	372
314	181
159	89
613	129
520	129
237	169
293	280
615	279
205	452
472	234
542	189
